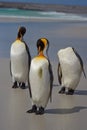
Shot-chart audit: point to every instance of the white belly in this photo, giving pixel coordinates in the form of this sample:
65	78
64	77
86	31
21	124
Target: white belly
19	62
71	68
40	82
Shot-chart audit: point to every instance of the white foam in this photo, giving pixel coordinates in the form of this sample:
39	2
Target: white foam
44	15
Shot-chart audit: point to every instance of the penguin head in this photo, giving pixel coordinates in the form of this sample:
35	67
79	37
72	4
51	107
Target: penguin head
40	45
43	45
21	32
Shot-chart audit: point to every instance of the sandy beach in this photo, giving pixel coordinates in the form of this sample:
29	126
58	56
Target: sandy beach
65	112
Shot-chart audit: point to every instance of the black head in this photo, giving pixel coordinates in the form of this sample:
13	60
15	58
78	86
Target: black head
21	32
40	45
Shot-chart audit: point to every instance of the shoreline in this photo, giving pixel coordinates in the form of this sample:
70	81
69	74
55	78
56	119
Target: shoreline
11	19
45	7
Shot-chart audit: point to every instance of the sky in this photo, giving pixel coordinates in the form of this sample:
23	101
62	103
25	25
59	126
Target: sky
66	2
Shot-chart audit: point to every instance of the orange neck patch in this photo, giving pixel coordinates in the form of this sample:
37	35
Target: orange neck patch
17	41
40	57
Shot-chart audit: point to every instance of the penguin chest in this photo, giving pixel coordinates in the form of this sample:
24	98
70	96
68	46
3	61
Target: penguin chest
39	79
19	61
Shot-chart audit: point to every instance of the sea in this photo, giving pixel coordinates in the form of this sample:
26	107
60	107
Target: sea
61	29
28	14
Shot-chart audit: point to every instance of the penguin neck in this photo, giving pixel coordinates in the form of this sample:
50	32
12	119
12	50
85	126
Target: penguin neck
41	54
20	38
45	53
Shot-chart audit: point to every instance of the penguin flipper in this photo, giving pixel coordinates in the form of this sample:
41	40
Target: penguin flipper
28	52
51	80
59	71
10	69
80	60
29	62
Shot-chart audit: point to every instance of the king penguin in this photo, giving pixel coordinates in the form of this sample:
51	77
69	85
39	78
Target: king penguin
20	60
70	68
41	78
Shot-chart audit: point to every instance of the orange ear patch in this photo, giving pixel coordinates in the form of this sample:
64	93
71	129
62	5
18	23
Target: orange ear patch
44	41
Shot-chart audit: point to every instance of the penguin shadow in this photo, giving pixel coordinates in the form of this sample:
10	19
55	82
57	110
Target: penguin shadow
80	92
65	110
26	87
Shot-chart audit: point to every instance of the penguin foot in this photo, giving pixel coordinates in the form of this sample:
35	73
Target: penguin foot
22	86
33	110
40	111
62	91
15	85
70	92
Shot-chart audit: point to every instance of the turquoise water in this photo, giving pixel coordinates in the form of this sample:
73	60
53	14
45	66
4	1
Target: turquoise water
27	14
18	12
